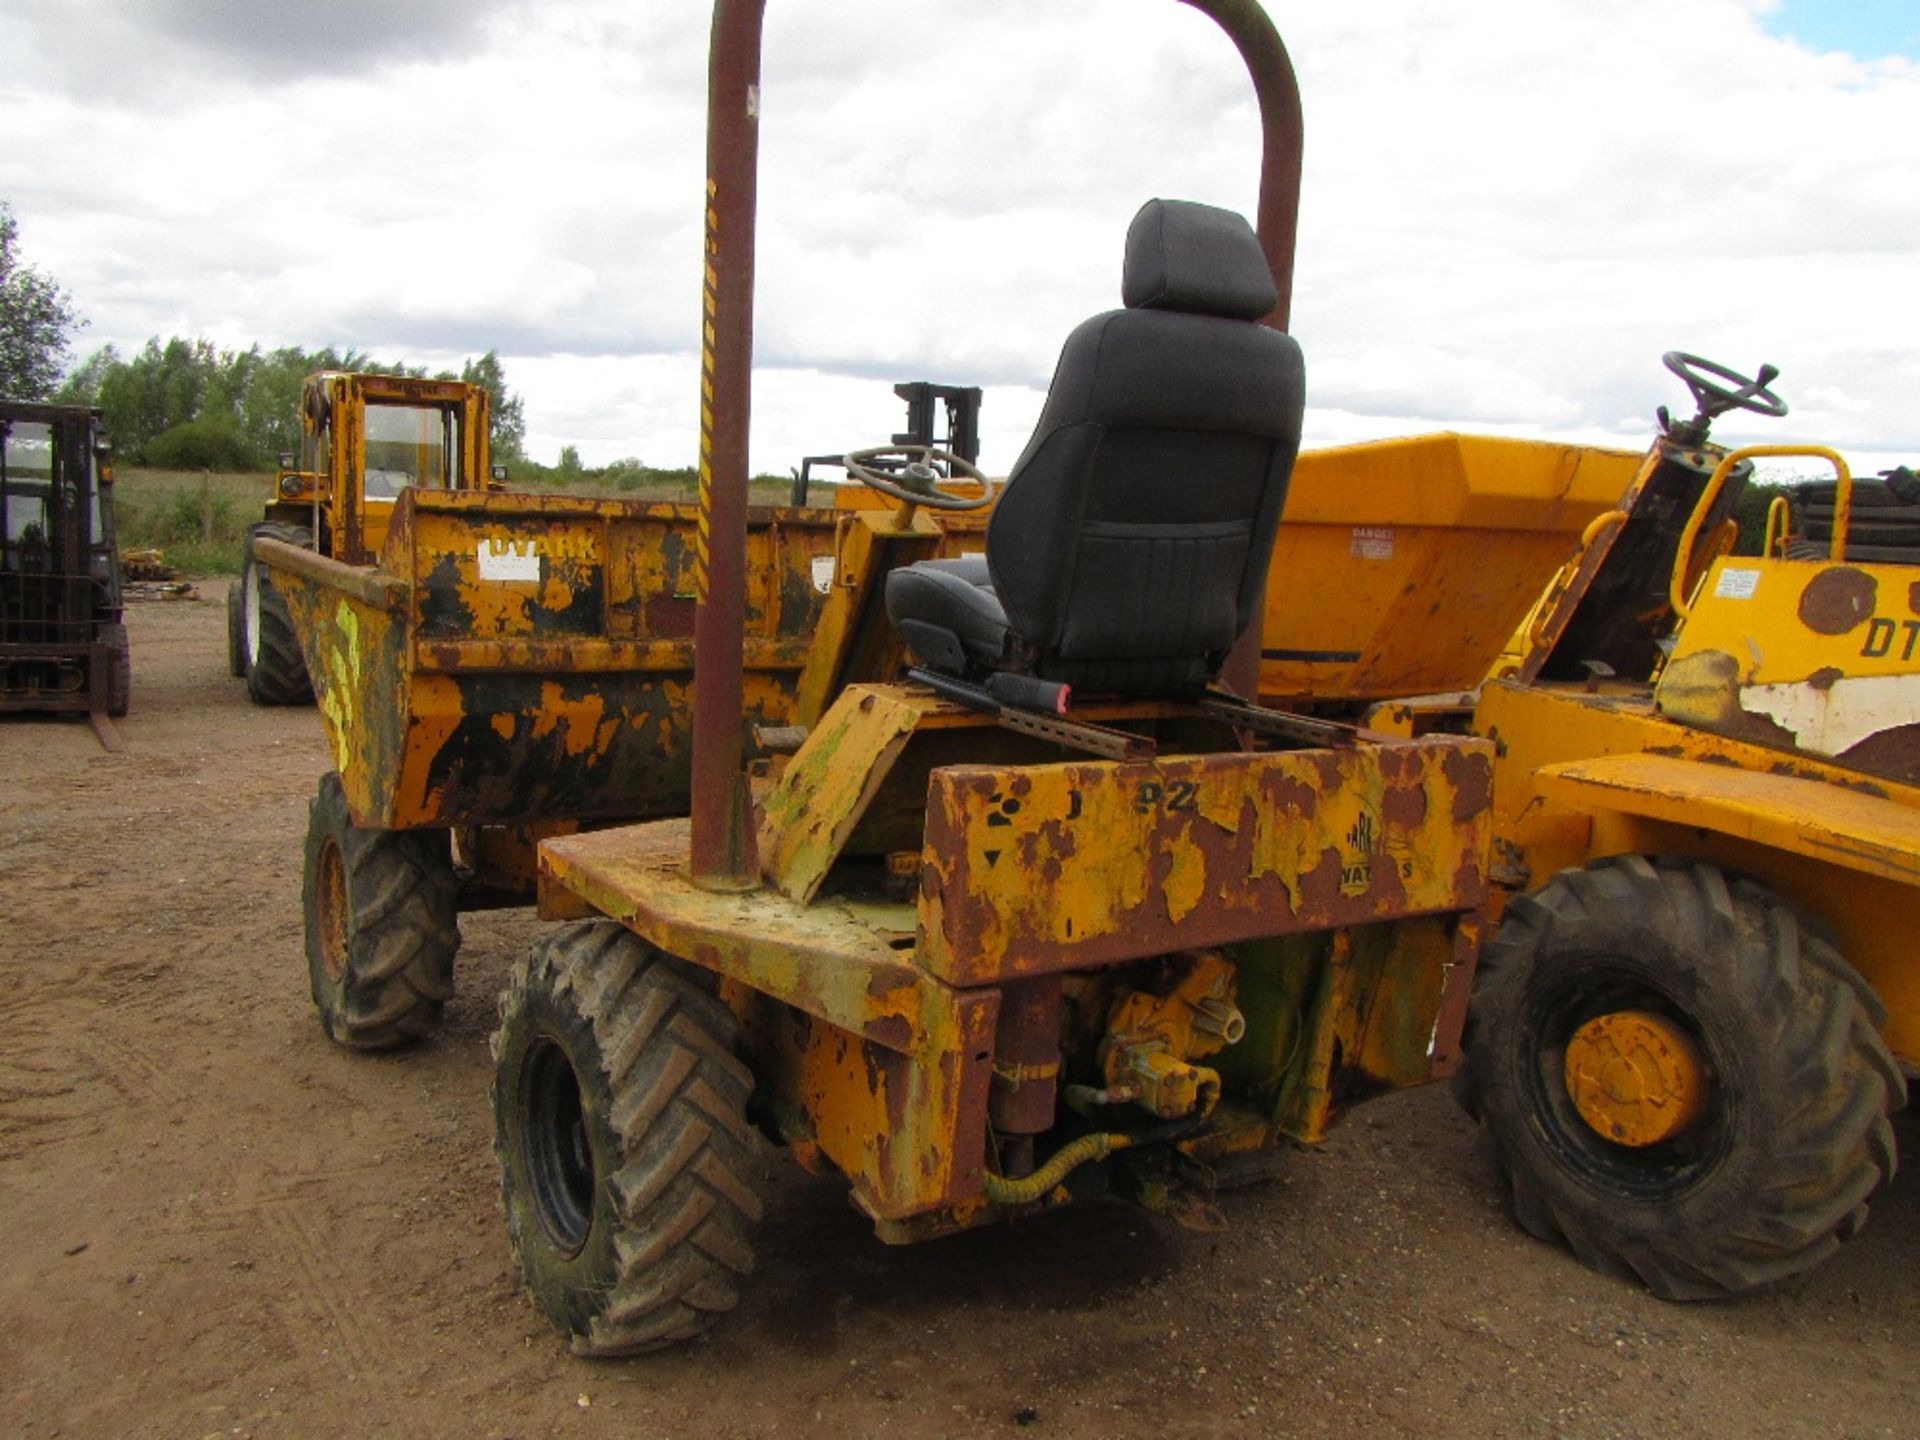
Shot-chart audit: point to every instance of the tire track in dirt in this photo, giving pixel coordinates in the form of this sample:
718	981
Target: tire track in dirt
53	1091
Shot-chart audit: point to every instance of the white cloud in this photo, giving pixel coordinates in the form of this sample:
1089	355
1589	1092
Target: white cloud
1510	209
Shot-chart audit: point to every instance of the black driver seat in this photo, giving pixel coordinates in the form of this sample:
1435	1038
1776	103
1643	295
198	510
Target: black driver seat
1130	546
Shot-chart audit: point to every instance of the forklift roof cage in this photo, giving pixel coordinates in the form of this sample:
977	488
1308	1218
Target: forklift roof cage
721	849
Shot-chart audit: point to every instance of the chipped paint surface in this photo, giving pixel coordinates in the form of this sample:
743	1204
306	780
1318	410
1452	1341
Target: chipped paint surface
1818	658
872	1019
827	786
888	1065
1843	845
469	701
1835	718
1050	867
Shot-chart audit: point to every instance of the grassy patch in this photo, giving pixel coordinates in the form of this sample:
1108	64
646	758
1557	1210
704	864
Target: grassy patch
200	520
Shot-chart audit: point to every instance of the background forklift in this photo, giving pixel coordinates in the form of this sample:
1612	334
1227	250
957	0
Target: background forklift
984	945
363	440
62	644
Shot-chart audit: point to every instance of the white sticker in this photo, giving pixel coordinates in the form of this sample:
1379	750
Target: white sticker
509	560
1372	542
1736	584
823	573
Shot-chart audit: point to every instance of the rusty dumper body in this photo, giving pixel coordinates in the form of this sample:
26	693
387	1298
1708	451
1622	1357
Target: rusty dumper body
977	959
509	666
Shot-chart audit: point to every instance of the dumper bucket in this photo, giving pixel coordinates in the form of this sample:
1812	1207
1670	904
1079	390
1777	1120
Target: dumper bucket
1403	567
515	658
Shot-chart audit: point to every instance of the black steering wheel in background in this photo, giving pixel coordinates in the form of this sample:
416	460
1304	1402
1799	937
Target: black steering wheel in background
1710	386
912	474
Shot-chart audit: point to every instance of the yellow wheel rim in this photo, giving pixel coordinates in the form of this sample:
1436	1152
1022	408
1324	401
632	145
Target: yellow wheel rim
330	903
1635	1077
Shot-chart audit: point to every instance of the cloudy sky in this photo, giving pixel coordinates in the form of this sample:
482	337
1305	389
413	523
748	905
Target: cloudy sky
1511	207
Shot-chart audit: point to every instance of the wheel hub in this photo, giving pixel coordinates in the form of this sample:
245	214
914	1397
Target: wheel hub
556	1151
1635	1077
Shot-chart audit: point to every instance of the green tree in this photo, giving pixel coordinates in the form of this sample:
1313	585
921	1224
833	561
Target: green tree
37	320
509	429
82	385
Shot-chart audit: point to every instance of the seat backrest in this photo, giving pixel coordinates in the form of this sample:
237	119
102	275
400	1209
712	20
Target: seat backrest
1130	546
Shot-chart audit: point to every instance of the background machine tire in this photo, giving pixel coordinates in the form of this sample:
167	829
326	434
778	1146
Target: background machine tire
119	669
237	625
626	1159
1789	1132
276	671
382	923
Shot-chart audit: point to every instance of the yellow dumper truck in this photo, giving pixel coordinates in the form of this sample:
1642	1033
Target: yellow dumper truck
1052	914
1694	1018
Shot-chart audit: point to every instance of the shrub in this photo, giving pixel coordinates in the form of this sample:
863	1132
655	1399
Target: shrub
206	444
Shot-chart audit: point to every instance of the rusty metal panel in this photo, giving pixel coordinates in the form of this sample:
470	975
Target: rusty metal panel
1804	655
1052	867
1869	833
909	1131
1369	1019
355	654
505	665
1867	893
826	787
819	959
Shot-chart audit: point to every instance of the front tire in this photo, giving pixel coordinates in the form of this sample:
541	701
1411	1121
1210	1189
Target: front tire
237	624
382	922
276	670
1780	1132
626	1158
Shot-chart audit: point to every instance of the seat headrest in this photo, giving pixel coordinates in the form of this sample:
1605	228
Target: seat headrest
1195	258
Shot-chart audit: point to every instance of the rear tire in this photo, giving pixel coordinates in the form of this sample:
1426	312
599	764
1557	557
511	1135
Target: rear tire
1792	1135
382	923
626	1159
276	670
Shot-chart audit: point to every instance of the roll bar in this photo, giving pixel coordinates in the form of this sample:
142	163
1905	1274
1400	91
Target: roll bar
722	854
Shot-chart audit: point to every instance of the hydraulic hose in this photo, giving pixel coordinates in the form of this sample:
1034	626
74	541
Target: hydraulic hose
1065	1160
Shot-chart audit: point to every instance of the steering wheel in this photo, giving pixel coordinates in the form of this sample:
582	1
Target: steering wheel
1703	378
911	473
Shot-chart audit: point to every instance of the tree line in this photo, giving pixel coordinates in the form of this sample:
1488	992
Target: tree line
184	404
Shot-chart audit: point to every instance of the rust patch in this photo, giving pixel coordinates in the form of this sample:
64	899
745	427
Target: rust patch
1471	776
893	1031
1893	753
1404	805
1913	597
669	616
1838	599
1823	678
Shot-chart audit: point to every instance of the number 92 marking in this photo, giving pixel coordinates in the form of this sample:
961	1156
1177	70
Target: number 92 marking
1178	795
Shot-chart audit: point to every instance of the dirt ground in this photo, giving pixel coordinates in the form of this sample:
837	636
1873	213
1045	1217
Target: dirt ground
215	1223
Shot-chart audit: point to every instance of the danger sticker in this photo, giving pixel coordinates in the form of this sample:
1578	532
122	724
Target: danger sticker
512	560
1736	584
1372	542
823	573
